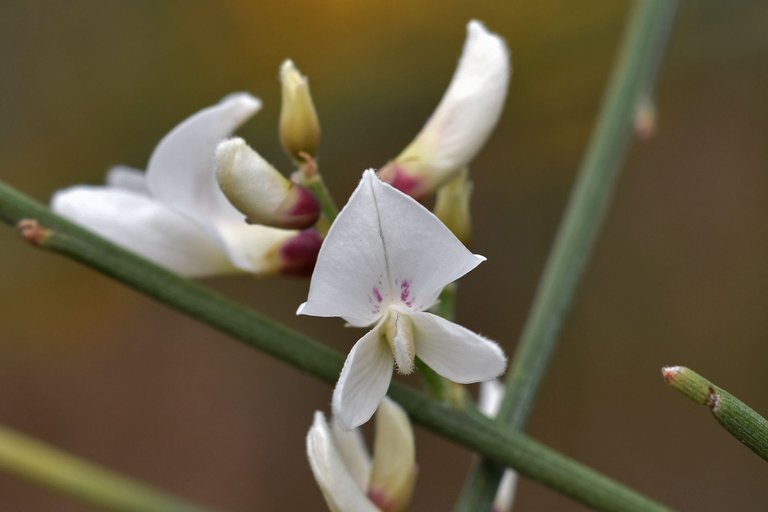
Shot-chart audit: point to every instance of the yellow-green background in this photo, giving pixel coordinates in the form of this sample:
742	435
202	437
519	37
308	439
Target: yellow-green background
679	274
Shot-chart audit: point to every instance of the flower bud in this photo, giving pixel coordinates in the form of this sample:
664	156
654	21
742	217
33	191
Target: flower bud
299	254
461	123
259	191
394	468
452	206
299	126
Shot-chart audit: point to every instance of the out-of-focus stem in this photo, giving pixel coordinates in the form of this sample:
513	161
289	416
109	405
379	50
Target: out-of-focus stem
632	80
27	458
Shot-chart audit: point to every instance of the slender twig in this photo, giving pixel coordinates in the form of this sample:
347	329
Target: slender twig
467	428
632	80
58	471
740	420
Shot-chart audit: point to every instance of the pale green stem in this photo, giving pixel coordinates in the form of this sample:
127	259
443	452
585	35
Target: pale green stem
467	428
58	471
309	176
632	80
740	420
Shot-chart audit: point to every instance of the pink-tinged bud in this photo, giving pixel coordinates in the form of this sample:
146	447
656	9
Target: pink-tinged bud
461	123
259	191
299	254
299	126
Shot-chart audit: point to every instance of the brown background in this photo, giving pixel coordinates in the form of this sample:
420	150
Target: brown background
678	276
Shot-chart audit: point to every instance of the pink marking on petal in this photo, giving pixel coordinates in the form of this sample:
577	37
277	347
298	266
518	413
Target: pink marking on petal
377	294
299	253
405	292
399	178
380	499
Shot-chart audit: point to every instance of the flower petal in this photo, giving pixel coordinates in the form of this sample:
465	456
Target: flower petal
491	395
455	352
145	226
505	495
469	109
383	248
394	460
254	248
363	381
181	168
353	452
341	492
127	178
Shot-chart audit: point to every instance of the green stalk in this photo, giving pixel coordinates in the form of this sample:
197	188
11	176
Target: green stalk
58	471
740	420
467	428
632	80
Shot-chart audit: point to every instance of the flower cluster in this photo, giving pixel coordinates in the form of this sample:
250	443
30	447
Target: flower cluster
209	204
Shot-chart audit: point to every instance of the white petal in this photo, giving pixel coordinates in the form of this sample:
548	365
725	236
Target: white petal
363	381
470	106
253	248
352	451
384	248
127	178
181	168
505	495
145	226
491	395
394	458
341	492
455	352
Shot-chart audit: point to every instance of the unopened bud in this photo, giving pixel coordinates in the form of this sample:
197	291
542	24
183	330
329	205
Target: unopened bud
299	254
259	191
299	126
452	206
393	475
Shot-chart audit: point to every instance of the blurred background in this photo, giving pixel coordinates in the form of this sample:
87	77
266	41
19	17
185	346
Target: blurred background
678	276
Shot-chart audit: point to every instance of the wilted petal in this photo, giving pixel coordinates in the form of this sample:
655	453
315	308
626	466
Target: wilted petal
341	492
394	463
127	178
363	381
145	226
181	169
464	118
455	352
384	247
352	450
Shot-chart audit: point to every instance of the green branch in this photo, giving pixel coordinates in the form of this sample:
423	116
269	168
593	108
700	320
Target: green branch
740	420
467	428
633	77
63	473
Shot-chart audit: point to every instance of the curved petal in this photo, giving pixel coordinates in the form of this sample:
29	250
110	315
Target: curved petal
505	496
181	168
455	352
384	248
363	381
394	458
144	226
127	178
352	451
469	109
341	492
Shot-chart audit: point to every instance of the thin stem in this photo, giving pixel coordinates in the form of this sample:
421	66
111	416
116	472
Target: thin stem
466	427
58	471
310	177
740	420
632	80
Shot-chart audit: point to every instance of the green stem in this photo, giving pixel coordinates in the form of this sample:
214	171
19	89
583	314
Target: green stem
327	205
632	80
27	458
740	420
466	428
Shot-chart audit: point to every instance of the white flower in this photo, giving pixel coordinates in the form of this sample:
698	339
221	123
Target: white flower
491	394
384	262
175	214
463	120
348	479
